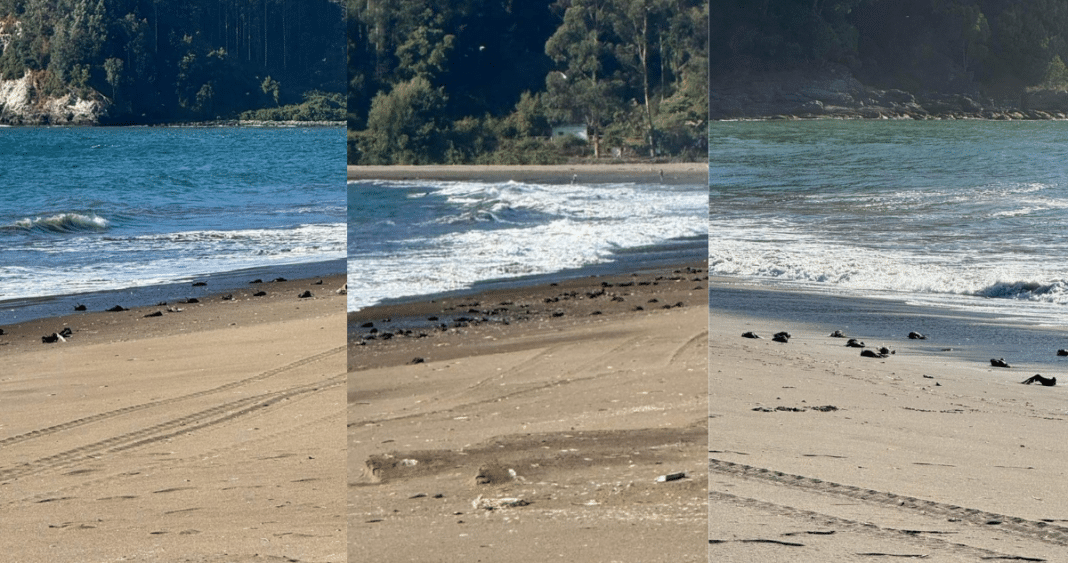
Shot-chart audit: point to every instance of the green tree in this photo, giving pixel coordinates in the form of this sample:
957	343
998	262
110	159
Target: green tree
78	40
638	24
403	126
1056	75
530	118
270	87
205	100
425	52
579	89
113	68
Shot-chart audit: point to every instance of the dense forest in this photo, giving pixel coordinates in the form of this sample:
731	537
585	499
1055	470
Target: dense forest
172	60
479	81
992	47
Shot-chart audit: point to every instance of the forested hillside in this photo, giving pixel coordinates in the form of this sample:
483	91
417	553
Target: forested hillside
992	48
464	81
173	60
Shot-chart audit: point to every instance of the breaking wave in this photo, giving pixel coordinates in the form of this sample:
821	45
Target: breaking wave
63	223
1052	292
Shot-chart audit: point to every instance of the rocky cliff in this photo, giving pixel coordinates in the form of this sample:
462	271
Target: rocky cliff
22	102
832	92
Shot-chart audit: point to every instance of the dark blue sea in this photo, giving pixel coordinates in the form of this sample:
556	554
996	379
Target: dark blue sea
87	210
420	238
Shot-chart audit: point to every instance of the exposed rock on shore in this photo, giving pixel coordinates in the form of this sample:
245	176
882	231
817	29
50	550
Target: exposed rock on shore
23	102
833	92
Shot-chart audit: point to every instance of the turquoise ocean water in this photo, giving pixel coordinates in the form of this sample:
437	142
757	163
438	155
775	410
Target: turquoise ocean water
100	209
965	216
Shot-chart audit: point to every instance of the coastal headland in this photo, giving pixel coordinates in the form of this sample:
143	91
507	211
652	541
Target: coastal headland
819	454
552	421
208	431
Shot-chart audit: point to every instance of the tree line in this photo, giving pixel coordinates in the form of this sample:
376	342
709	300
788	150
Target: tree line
476	81
993	47
172	60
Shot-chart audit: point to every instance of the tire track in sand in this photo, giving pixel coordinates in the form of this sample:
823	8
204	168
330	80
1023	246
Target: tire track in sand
176	427
560	380
41	432
918	538
1042	531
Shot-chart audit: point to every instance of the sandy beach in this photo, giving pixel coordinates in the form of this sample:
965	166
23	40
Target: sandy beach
819	454
673	173
207	435
534	425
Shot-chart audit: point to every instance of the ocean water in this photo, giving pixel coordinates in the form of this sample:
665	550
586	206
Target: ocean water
414	238
99	209
960	216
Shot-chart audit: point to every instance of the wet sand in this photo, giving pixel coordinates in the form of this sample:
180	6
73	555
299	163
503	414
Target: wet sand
534	426
926	453
673	173
210	434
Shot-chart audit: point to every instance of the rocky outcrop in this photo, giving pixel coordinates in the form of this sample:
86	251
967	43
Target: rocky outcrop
22	102
1049	101
832	92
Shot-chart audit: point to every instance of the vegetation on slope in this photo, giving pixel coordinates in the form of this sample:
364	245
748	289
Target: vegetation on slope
482	81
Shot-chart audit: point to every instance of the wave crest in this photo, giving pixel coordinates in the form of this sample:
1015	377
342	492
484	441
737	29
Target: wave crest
64	223
1052	292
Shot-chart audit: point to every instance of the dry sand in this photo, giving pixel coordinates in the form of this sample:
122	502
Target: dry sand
538	433
926	455
674	173
213	434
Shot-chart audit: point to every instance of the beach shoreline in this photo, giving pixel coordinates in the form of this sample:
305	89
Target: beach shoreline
216	284
668	255
968	335
569	397
808	435
673	173
508	307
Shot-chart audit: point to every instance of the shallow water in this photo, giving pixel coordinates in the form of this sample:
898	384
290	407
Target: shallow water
972	336
967	215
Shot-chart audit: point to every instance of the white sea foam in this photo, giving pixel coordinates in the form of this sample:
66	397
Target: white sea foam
535	229
965	215
161	258
963	279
